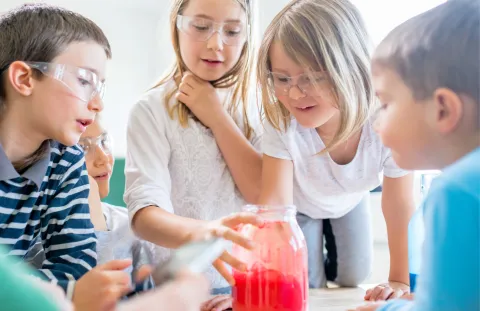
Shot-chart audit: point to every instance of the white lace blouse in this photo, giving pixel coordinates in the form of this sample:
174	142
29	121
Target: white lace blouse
180	170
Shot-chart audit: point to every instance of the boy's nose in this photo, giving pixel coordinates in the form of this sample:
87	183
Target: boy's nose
96	104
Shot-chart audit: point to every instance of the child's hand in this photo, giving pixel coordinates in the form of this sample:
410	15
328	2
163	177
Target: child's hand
218	303
387	291
202	99
185	293
225	228
408	296
101	287
143	273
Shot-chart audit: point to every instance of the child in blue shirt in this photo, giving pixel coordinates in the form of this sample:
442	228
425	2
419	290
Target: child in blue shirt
426	75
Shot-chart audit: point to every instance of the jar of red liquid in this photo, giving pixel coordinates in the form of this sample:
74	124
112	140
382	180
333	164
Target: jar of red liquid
277	273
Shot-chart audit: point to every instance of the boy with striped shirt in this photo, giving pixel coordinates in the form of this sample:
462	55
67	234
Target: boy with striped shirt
52	75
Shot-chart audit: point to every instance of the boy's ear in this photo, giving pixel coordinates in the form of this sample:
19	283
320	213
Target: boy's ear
20	76
449	109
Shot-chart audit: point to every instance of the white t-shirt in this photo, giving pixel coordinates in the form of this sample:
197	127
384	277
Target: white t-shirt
322	189
179	169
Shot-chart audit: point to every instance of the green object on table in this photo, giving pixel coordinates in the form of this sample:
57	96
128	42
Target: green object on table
17	294
117	184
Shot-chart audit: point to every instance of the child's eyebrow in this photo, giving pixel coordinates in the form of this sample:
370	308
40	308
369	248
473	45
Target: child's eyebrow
279	70
94	71
209	17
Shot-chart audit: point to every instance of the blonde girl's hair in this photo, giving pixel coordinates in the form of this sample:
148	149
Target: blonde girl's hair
239	76
322	35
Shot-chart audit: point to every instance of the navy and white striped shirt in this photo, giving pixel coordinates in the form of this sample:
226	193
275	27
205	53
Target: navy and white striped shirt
49	201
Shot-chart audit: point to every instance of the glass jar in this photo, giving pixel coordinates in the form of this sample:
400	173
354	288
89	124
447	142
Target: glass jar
277	269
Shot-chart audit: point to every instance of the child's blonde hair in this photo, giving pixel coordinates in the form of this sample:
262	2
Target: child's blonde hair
322	35
239	76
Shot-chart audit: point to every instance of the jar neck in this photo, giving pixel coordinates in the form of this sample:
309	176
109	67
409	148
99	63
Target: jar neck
272	212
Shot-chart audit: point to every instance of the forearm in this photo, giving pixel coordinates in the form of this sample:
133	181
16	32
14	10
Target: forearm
163	228
397	219
398	247
244	162
277	182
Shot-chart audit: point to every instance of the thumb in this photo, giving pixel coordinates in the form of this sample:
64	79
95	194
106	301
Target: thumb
118	264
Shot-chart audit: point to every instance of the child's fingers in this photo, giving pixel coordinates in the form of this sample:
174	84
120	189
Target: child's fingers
112	294
143	273
385	293
185	88
233	236
220	266
119	264
117	278
408	296
212	303
223	304
191	79
233	262
368	294
181	97
397	294
375	293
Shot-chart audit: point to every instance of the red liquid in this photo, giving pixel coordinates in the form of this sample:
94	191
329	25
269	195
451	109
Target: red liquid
268	290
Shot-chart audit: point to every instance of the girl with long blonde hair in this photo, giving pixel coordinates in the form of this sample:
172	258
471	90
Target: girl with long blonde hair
191	158
320	150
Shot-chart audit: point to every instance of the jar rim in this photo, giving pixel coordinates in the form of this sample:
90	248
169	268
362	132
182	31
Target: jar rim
259	208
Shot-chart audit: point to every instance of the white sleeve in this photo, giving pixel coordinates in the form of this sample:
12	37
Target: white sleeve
273	143
390	168
147	177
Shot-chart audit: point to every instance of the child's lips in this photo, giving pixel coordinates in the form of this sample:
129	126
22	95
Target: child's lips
305	108
102	176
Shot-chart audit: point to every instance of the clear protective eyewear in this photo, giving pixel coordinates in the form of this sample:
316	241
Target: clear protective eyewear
83	83
307	83
202	29
89	145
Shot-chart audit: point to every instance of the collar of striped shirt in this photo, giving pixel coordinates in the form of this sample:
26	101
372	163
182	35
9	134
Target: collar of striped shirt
35	173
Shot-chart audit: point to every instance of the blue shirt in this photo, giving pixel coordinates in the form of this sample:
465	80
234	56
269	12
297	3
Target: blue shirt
49	201
450	276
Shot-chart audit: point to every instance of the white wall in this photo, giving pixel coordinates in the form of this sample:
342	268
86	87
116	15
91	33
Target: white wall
139	34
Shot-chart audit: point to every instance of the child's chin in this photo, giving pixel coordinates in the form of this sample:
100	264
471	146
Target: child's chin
405	163
210	76
70	140
103	193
